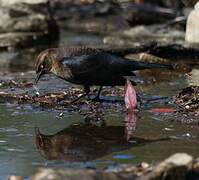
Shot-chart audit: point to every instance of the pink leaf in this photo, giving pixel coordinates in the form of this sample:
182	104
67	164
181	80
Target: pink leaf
130	97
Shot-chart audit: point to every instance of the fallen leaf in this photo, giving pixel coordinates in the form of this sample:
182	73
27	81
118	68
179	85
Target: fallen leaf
130	97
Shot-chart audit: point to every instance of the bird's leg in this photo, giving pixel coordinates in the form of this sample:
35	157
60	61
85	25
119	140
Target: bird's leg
86	90
97	97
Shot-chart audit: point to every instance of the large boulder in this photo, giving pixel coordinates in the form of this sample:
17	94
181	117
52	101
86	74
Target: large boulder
26	23
192	29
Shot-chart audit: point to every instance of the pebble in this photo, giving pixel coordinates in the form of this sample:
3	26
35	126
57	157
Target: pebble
14	178
144	165
61	115
187	106
37	93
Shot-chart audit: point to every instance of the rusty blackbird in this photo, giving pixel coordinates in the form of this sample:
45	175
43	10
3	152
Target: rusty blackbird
89	66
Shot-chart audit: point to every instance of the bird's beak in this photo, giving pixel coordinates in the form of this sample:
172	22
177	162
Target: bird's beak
39	74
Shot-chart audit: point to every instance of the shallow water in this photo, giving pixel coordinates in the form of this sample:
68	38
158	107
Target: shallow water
100	145
153	140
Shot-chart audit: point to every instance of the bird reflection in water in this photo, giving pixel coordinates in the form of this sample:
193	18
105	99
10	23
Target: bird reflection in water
84	142
81	142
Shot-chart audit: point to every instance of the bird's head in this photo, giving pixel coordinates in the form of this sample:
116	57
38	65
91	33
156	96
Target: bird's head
44	63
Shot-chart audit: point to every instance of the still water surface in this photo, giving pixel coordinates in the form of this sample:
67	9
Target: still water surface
154	139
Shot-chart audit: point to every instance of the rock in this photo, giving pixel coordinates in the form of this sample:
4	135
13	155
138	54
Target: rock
174	168
21	39
9	2
147	13
51	174
192	28
100	25
144	34
79	9
192	78
14	178
196	165
25	22
190	3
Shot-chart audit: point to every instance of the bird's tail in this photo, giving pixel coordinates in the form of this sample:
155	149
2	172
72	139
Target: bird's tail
135	65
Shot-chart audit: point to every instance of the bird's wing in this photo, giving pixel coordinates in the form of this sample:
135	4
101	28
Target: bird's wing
118	66
85	64
97	63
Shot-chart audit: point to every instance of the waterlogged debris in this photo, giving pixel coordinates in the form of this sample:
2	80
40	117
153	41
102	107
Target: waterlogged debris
188	99
144	165
169	129
14	84
6	97
60	115
47	100
188	135
37	90
183	136
188	102
62	99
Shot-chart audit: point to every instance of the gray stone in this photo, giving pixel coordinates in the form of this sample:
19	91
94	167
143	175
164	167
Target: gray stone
192	77
21	39
144	34
52	174
175	167
192	28
190	2
26	21
10	2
